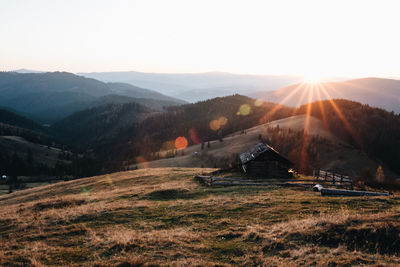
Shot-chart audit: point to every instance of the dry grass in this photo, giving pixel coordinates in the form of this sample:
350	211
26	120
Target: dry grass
163	217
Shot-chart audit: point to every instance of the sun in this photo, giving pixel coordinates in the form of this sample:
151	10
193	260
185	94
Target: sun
312	78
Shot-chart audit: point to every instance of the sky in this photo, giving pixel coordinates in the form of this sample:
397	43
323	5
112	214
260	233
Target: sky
315	39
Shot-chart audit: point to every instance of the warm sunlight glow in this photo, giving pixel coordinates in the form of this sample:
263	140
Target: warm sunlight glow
261	37
313	78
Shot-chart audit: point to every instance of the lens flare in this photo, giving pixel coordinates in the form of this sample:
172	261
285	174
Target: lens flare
258	102
244	110
214	125
194	137
181	142
222	120
218	123
168	145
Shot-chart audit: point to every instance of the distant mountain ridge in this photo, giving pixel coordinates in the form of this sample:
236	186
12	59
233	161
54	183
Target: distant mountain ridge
50	96
194	87
377	92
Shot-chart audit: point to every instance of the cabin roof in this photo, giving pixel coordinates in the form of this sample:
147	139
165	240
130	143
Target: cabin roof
258	150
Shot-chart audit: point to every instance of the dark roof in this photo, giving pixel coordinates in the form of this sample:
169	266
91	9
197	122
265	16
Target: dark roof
258	150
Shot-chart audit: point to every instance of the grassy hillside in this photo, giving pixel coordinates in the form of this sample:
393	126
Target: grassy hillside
41	154
26	147
206	120
333	154
163	217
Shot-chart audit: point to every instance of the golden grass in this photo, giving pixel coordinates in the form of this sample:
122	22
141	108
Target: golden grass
163	217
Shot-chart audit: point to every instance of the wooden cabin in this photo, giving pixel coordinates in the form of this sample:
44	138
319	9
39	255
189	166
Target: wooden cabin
262	161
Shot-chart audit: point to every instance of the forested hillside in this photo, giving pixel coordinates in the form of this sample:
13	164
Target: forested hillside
26	148
109	137
114	140
10	118
372	130
92	125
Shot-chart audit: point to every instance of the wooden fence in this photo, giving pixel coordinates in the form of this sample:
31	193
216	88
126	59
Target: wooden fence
336	179
319	177
228	181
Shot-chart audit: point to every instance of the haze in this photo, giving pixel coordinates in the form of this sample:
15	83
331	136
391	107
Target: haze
310	38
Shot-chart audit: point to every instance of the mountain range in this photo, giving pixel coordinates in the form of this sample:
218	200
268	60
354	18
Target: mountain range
194	87
47	97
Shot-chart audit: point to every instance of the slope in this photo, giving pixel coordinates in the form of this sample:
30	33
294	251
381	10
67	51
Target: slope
12	119
92	125
111	135
285	135
159	105
365	138
377	92
25	150
26	147
161	217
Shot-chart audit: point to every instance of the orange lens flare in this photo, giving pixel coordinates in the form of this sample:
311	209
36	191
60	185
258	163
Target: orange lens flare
222	121
214	125
218	123
181	142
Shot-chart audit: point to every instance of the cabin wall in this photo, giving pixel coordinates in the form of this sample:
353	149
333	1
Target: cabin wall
268	168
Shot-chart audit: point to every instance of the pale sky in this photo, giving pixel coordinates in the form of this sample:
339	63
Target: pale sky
312	38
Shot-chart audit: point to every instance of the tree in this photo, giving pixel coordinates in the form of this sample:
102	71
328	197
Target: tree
380	176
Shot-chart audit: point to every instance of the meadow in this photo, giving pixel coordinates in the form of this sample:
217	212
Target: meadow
163	217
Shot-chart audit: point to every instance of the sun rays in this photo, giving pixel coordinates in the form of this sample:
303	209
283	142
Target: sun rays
310	92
